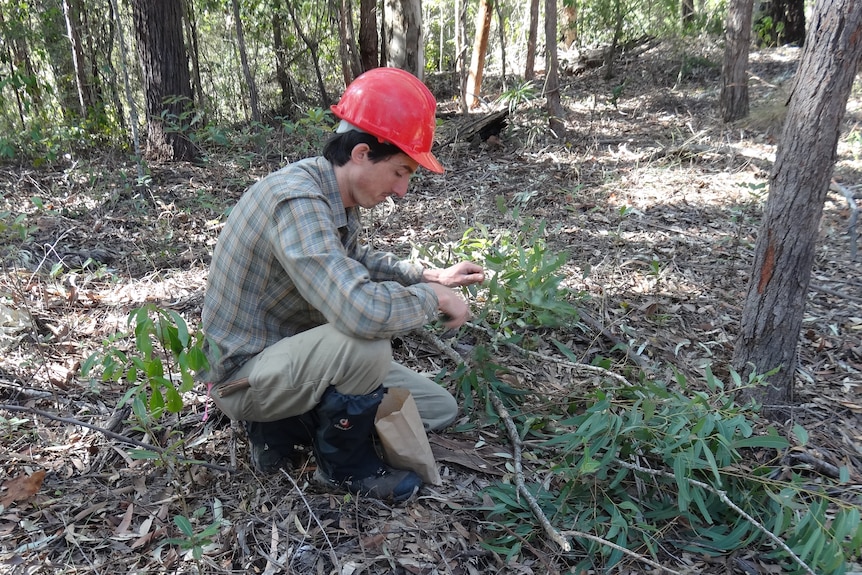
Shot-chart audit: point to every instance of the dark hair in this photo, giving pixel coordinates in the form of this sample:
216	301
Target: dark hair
339	147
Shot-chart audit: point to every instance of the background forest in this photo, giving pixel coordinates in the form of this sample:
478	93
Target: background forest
618	166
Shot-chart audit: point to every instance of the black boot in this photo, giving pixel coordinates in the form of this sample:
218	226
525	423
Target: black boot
272	444
345	453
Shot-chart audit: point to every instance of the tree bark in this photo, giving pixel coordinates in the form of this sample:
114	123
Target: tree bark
403	39
369	45
570	22
480	48
281	75
686	15
791	15
552	76
192	33
246	70
86	99
165	75
784	252
350	64
532	37
314	48
461	52
733	101
52	27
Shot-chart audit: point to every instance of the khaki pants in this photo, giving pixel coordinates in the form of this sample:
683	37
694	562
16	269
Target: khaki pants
289	378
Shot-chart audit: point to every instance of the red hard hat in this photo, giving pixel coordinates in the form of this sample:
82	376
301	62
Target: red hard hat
395	106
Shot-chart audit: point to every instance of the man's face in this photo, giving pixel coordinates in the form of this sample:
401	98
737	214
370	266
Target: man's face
376	181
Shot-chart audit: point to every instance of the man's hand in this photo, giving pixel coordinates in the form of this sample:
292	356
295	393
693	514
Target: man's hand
451	306
458	275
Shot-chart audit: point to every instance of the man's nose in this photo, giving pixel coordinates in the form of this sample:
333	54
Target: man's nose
400	189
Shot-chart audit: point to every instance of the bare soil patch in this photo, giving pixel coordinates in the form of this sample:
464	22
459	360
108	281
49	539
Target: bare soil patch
654	199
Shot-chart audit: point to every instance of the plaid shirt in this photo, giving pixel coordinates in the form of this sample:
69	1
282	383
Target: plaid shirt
289	259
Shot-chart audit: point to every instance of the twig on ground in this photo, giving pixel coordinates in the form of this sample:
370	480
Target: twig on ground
516	446
628	552
333	556
579	367
110	434
826	290
726	500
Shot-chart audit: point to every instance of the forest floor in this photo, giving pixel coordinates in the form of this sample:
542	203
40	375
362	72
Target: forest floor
655	201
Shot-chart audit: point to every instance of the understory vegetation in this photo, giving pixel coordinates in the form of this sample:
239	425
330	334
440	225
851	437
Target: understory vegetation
600	424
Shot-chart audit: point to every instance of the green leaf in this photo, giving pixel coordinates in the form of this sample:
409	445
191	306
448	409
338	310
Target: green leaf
174	401
800	433
184	525
767	441
143	454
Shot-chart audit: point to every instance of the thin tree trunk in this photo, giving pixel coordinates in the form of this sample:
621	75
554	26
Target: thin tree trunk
501	29
733	100
313	49
552	76
369	46
130	101
281	75
461	51
246	71
785	248
9	58
532	38
350	64
52	27
85	100
480	49
192	33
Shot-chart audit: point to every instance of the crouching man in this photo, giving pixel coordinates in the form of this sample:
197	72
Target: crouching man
300	313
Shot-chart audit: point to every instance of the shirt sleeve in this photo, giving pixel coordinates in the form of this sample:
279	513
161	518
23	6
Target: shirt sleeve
361	294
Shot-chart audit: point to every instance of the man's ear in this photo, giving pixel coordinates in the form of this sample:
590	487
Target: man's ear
360	152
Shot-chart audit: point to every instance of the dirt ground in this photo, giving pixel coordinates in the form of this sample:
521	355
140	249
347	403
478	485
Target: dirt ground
656	202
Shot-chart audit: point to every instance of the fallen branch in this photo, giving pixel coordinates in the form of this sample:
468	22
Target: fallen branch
519	474
583	368
110	434
722	495
550	531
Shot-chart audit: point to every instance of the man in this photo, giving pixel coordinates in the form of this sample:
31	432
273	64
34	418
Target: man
300	313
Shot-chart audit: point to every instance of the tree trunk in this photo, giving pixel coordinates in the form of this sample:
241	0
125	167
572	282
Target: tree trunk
403	38
52	27
570	22
350	65
784	252
369	46
686	13
552	76
611	53
285	107
532	36
73	26
480	48
192	33
165	75
314	49
461	52
790	14
130	101
733	101
246	71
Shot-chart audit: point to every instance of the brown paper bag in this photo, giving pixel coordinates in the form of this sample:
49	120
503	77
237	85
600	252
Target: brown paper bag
402	434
